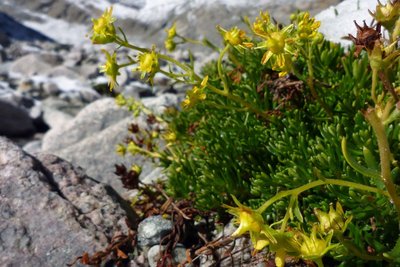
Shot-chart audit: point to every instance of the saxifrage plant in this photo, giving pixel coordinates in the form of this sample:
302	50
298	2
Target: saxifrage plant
303	131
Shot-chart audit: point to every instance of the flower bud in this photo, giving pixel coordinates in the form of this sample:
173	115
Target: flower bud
170	45
172	31
332	221
121	150
132	148
137	169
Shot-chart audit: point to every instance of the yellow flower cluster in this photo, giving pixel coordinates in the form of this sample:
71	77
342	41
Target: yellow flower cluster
280	43
170	43
307	28
195	95
103	30
289	243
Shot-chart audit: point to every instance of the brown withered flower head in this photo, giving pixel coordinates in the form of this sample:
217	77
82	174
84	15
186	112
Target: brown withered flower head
366	37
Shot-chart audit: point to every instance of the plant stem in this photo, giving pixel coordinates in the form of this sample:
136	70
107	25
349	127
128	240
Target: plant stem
374	84
355	165
299	190
161	56
219	67
385	156
388	85
179	64
319	262
171	75
288	213
124	43
147	153
310	82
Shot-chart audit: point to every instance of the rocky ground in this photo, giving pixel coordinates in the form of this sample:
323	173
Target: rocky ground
58	192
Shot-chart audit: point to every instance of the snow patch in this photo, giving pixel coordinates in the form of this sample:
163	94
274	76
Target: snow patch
337	22
60	30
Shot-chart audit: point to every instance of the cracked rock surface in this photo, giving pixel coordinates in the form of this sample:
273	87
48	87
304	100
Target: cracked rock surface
51	212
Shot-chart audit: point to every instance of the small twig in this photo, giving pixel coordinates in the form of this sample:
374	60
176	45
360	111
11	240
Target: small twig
210	246
202	237
172	203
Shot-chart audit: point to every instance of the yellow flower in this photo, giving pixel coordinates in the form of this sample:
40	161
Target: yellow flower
170	136
195	95
110	68
312	247
276	43
334	220
263	24
103	28
148	64
307	28
234	36
251	221
278	51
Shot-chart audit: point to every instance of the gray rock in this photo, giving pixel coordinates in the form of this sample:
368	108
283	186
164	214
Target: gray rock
62	71
96	154
27	104
15	121
155	175
32	147
4	39
89	122
74	57
51	212
55	118
50	89
235	253
160	103
179	254
155	252
89	70
152	229
71	107
35	63
136	89
89	140
154	255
